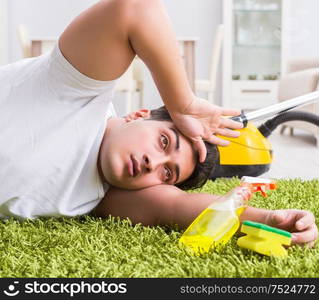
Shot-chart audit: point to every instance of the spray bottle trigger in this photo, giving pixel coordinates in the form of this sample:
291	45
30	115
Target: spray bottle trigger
262	187
257	184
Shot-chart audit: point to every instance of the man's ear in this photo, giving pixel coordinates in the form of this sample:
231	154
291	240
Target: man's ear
140	114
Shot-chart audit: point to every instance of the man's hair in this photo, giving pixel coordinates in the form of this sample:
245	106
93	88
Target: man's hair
203	170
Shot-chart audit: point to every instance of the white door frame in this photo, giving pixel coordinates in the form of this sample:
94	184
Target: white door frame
4	41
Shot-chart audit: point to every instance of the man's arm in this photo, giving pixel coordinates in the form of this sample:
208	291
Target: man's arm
156	205
163	205
168	205
102	42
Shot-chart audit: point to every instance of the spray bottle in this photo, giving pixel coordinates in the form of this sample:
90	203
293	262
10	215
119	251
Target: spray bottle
220	221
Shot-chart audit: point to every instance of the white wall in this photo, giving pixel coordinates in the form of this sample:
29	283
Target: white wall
189	17
49	18
303	29
195	18
42	18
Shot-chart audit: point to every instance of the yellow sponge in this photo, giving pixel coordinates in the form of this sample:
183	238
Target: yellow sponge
264	239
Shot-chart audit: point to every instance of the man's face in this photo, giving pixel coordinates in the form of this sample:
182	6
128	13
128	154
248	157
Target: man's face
143	153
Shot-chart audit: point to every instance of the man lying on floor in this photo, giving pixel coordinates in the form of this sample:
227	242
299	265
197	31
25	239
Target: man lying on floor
65	153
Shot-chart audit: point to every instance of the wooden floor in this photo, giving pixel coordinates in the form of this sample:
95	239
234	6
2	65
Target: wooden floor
295	156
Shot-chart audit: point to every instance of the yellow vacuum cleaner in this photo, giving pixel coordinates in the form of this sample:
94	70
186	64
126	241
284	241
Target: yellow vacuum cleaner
251	153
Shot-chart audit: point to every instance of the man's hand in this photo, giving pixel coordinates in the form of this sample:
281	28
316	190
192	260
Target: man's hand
300	223
202	121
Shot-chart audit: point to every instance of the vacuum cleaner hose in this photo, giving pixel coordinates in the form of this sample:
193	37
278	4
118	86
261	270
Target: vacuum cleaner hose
269	126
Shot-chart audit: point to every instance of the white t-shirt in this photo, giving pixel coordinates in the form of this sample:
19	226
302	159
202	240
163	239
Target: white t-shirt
52	121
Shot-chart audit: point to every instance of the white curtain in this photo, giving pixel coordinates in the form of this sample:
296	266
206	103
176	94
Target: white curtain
3	32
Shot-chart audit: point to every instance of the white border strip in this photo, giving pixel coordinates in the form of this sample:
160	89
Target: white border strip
4	42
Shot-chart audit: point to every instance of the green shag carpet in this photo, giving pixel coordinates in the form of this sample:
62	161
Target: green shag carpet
110	248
